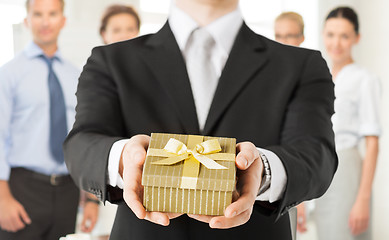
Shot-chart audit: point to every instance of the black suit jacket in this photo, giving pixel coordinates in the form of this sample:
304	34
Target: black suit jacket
278	97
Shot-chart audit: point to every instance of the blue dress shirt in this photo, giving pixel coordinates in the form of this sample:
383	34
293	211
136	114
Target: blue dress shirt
25	111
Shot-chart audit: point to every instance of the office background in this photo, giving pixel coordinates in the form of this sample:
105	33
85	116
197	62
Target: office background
81	35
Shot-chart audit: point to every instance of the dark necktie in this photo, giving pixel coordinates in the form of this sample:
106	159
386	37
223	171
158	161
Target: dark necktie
58	125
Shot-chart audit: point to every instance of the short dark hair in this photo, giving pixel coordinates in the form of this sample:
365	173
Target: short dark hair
29	1
118	9
346	13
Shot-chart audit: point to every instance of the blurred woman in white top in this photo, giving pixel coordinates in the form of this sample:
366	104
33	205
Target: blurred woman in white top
344	212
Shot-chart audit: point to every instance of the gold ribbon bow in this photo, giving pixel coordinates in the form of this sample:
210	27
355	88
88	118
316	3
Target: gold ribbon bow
202	152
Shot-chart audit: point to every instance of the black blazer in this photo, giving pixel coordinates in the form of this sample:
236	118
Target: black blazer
278	97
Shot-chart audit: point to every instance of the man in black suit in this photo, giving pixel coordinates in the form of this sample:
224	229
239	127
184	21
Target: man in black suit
265	94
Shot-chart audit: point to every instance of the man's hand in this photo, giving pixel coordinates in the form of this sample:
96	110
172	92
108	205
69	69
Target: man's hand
13	217
90	214
130	168
249	174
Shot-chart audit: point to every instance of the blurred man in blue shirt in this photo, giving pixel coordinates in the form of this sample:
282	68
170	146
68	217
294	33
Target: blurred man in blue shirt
38	199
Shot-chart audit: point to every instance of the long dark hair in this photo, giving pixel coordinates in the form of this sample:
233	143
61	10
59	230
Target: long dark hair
346	13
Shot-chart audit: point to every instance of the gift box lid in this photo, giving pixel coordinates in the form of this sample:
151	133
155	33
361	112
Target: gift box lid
171	175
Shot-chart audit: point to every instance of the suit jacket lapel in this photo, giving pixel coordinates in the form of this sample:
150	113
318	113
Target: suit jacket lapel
246	58
166	61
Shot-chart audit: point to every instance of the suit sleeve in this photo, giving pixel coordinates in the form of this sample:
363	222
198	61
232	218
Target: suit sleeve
98	125
307	148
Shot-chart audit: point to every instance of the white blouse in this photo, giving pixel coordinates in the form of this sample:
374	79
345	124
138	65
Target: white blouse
357	106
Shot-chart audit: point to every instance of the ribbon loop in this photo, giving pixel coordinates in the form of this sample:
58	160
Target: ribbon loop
175	146
208	147
181	152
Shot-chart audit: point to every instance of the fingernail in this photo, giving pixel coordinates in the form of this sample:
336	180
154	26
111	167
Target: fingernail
216	224
137	214
244	161
161	221
233	214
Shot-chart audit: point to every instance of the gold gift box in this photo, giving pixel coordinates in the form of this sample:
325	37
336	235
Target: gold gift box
187	185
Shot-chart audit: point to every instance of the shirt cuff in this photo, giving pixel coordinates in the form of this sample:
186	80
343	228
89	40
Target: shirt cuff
369	130
5	170
114	178
278	178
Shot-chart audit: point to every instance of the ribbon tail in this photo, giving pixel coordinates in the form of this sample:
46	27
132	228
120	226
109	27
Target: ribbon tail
171	160
207	162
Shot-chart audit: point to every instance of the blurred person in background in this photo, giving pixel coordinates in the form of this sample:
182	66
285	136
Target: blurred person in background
289	29
344	212
119	23
38	198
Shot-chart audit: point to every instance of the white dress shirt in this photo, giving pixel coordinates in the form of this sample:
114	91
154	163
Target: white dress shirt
356	106
224	31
